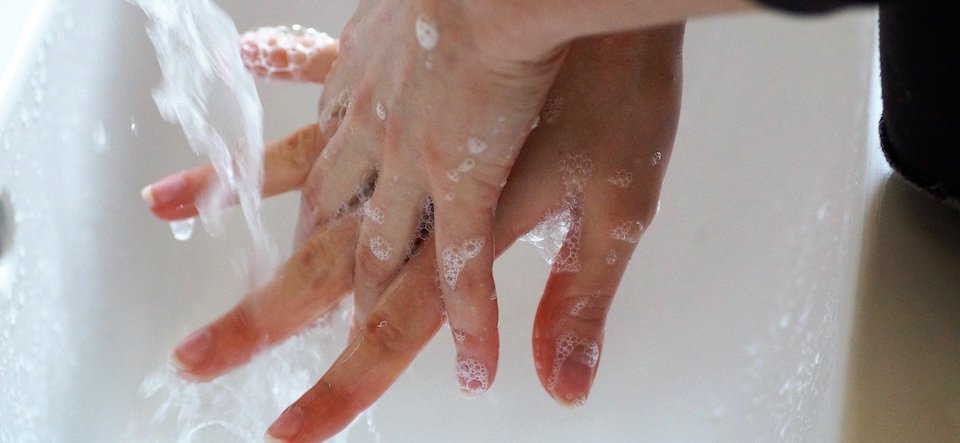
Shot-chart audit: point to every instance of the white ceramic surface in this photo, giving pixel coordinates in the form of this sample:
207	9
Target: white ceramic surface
736	321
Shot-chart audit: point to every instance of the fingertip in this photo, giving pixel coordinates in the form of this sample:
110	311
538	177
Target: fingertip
165	190
476	363
286	427
473	376
573	402
567	366
147	195
191	353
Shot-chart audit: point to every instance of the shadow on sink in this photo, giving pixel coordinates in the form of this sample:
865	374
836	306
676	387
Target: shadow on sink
904	374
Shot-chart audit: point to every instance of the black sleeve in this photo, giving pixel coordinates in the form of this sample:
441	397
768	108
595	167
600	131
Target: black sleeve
814	5
920	74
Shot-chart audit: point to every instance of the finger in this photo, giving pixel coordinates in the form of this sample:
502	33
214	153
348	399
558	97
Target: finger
406	316
465	249
306	286
340	179
391	218
294	53
569	325
286	163
400	325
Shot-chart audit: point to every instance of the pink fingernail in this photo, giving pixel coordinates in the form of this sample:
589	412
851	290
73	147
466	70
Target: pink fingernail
574	367
193	350
165	190
287	426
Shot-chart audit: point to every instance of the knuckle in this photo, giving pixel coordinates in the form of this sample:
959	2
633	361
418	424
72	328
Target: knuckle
473	285
347	40
485	187
300	148
361	97
312	256
320	260
588	310
383	334
370	267
310	206
480	185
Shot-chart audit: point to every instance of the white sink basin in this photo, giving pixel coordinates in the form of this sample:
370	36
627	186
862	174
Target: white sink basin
734	322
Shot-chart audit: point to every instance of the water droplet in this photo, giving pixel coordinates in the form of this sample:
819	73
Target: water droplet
612	257
183	229
629	231
467	165
100	138
622	179
427	34
476	146
784	321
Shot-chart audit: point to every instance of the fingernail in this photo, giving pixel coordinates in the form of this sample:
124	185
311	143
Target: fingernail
574	367
575	401
146	195
472	376
165	190
287	426
193	350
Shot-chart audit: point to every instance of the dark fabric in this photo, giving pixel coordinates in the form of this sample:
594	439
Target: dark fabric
920	72
815	5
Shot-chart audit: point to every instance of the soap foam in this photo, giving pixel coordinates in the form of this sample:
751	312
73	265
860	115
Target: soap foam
455	257
472	376
427	34
571	345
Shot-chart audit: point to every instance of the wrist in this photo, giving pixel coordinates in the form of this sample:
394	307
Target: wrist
520	30
534	29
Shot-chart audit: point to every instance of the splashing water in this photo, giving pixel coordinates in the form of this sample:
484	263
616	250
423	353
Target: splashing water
239	406
206	90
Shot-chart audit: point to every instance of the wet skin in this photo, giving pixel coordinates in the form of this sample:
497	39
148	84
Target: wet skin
597	157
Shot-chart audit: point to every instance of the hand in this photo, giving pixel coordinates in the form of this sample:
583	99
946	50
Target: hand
600	160
423	116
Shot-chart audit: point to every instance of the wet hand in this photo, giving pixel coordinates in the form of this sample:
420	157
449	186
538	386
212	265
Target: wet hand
595	162
424	116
